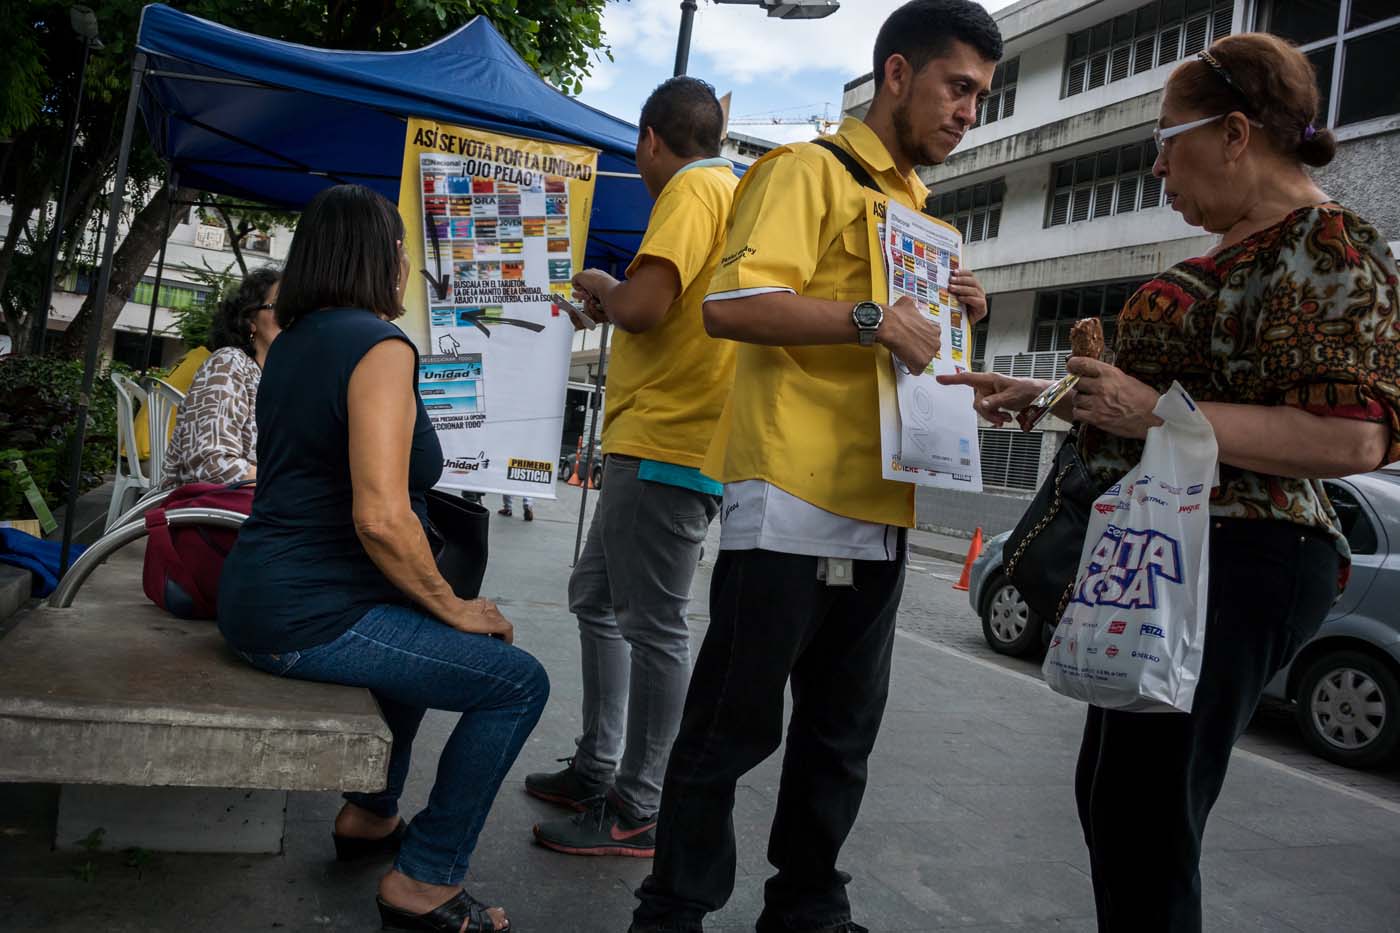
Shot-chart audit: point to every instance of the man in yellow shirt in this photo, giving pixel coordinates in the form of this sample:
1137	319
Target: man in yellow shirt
667	381
811	564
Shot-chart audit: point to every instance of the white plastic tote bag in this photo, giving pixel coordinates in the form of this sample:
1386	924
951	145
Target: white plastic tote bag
1134	631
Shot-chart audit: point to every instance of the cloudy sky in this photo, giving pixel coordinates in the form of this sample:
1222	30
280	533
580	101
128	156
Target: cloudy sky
787	69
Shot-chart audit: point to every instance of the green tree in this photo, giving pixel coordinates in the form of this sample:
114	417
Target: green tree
39	59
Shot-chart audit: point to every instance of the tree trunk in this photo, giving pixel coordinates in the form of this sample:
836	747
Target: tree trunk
234	239
30	192
130	262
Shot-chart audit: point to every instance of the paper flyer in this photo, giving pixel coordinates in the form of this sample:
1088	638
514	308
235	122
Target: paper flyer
928	432
496	227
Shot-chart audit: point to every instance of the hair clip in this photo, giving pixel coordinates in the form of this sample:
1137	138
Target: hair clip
1309	133
1218	68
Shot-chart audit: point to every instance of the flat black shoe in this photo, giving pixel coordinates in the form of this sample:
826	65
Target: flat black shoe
447	918
353	848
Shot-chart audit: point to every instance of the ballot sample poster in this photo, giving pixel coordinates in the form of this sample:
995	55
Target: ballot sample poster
495	232
928	432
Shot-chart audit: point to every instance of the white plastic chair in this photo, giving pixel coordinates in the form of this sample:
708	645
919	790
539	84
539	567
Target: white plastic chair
130	481
162	400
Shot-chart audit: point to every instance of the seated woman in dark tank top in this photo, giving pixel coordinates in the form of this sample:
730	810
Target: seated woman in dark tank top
332	578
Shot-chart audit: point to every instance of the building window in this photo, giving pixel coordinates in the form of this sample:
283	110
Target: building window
1010	457
257	242
207	236
974	210
979	342
1151	35
1001	102
172	295
1056	311
1352	44
1111	181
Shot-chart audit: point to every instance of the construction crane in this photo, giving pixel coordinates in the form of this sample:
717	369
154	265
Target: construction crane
823	122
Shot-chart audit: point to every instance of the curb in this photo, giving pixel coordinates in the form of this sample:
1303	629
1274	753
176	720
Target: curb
15	587
925	550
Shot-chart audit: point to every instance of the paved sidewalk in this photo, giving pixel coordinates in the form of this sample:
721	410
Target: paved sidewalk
968	823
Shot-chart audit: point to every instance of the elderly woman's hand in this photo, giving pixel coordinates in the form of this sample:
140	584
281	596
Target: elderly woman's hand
481	617
1111	400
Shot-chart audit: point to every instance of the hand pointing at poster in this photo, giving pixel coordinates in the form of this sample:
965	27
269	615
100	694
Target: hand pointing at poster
638	304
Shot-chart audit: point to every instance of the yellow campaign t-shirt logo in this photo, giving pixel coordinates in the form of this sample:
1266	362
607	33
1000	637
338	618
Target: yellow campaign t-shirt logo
530	471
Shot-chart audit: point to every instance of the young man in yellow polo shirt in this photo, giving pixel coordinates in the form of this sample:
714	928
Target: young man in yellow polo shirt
667	381
811	563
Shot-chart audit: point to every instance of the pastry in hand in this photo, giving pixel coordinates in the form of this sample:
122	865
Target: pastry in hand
1086	338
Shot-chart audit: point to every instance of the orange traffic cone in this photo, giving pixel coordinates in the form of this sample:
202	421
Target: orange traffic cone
972	552
578	464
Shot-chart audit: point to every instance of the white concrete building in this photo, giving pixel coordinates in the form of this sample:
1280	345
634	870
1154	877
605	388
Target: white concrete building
1054	192
742	149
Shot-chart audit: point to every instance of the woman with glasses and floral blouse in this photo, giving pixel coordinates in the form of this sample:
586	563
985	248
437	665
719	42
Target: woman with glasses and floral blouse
216	437
1286	334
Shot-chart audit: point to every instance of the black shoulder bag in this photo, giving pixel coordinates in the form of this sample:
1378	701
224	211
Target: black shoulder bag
1041	556
457	533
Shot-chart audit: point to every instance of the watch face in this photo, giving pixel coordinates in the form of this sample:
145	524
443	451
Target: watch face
868	314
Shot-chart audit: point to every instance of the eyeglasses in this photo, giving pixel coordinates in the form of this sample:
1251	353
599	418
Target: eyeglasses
1162	135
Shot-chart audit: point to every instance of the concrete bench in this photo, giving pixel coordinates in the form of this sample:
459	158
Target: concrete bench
160	735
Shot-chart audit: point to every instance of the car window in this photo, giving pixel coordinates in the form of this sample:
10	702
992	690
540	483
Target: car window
1356	524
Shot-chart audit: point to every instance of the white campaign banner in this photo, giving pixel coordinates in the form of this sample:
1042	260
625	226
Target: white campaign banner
496	227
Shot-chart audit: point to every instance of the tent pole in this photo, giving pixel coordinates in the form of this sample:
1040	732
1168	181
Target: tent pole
171	185
597	404
104	281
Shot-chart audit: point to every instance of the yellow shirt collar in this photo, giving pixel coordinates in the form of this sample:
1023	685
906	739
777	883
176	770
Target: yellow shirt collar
861	140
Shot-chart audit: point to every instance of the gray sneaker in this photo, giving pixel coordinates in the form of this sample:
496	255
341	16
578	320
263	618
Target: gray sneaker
567	788
601	829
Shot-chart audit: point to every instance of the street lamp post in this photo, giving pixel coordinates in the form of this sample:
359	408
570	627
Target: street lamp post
779	9
84	23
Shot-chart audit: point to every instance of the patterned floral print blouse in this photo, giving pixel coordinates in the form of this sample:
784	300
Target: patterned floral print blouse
216	437
1303	313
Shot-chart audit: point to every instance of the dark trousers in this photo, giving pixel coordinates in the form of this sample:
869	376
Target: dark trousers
771	621
1147	781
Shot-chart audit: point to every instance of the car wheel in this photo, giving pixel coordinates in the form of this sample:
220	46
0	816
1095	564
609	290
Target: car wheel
1349	708
598	476
1008	624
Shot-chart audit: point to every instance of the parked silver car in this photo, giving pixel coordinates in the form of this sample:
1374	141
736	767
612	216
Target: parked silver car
1344	683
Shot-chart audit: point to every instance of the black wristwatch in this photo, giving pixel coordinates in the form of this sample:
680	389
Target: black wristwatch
867	317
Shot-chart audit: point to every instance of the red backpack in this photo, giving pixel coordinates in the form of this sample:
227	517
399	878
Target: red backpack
181	572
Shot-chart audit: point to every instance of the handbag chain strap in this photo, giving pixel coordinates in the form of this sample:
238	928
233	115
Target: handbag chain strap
1039	526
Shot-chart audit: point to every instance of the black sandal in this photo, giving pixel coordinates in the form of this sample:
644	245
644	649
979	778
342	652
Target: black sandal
446	918
351	848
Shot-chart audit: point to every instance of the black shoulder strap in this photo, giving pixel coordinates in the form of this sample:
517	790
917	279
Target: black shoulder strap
858	171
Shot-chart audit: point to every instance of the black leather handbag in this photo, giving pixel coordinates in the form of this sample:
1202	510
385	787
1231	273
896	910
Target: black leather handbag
457	532
1041	556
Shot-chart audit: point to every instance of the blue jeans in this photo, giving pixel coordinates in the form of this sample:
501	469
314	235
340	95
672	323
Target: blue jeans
411	662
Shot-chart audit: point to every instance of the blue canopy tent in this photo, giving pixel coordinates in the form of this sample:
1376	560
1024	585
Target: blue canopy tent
275	122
